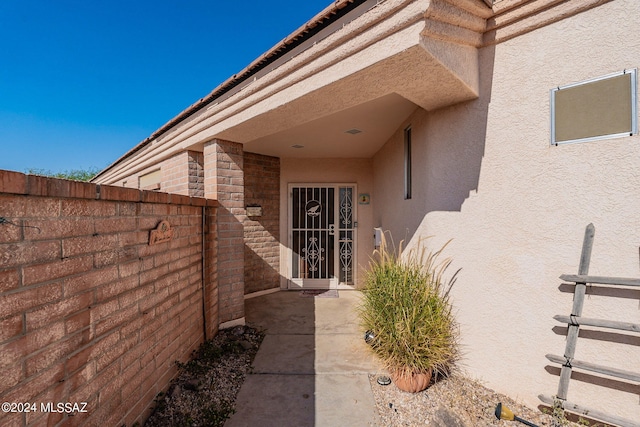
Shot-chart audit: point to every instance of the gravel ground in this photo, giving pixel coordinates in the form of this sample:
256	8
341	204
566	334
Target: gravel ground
204	393
454	402
205	390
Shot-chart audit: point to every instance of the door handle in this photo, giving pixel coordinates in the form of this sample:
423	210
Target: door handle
332	230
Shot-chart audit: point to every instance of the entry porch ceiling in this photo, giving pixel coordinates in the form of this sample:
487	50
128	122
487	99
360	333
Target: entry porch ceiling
337	135
376	101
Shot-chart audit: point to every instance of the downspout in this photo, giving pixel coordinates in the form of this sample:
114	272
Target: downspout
203	275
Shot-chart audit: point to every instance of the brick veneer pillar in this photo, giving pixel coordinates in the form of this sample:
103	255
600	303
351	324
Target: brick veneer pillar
261	233
224	181
196	173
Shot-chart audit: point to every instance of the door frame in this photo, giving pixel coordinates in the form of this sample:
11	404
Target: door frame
333	283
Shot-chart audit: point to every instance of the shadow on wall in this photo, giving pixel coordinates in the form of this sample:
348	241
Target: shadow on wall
600	335
447	149
262	224
261	271
596	380
609	383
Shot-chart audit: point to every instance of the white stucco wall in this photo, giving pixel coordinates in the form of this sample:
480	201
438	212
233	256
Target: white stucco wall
523	223
339	171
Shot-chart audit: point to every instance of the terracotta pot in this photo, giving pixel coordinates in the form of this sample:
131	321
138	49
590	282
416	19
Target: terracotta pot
411	383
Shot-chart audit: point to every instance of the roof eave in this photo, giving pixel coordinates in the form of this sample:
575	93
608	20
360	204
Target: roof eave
326	16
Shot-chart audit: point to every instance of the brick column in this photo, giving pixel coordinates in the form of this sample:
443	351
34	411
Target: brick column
196	173
224	181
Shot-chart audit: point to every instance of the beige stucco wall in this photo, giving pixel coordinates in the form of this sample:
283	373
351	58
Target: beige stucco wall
516	209
339	171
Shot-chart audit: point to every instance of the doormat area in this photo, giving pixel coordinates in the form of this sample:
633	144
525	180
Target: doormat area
320	293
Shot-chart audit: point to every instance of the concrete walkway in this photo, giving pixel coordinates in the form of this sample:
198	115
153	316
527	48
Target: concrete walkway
312	367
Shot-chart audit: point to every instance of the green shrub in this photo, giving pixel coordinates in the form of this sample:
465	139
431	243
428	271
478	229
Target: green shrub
406	306
73	174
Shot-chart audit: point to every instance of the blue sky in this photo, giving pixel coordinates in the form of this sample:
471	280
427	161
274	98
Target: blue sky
82	82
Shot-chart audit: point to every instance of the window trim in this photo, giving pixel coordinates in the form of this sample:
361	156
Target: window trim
634	108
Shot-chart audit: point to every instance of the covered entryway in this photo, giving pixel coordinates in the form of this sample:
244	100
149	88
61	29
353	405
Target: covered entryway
322	222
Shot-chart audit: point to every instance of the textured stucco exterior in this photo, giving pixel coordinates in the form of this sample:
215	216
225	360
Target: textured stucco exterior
473	84
516	208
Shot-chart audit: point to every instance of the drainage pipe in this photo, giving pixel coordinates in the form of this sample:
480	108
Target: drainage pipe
203	273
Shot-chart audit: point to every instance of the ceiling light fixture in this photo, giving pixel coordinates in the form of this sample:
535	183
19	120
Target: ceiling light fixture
353	131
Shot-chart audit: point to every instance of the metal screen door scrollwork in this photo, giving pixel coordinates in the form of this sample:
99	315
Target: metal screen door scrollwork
346	225
312	232
322	227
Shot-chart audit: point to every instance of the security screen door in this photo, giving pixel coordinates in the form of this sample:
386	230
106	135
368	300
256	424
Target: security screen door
322	236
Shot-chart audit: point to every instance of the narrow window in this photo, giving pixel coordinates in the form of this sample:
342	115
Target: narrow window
407	163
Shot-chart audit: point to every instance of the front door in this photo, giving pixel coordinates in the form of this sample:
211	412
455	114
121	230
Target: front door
321	235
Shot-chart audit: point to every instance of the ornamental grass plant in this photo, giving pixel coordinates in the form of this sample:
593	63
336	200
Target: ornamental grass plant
406	306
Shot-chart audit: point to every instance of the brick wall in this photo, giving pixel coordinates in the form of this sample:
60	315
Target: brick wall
184	174
175	174
90	312
261	234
